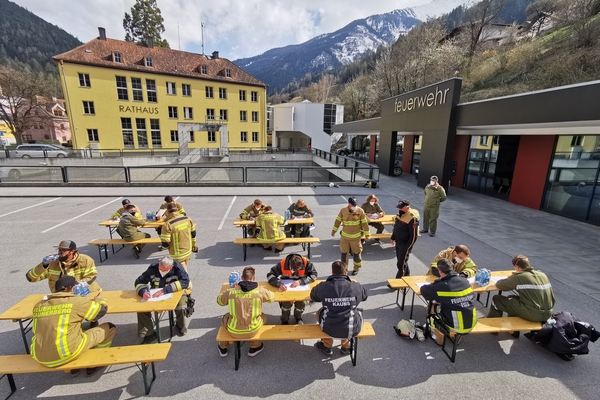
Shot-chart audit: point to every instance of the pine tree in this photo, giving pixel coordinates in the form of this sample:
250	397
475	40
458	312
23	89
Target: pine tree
145	21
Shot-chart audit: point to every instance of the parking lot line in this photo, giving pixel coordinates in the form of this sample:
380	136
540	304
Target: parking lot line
81	215
226	213
26	208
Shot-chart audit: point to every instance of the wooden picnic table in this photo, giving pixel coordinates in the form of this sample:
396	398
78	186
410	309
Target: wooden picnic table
387	219
113	224
118	301
287	296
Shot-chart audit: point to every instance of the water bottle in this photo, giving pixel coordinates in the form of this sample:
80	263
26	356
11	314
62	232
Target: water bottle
82	289
288	214
234	278
50	258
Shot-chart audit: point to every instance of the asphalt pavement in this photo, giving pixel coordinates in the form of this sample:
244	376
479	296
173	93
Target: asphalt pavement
495	367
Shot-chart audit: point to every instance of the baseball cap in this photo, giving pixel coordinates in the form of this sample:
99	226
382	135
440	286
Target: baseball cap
352	200
125	201
403	203
65	282
67	245
434	178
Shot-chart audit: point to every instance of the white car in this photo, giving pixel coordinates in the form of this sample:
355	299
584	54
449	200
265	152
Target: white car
39	150
28	173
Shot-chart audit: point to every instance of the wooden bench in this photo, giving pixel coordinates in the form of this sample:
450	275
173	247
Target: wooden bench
103	244
141	355
296	240
512	325
398	285
291	332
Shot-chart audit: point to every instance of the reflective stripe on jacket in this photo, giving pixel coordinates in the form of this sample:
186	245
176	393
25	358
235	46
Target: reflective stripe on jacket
269	223
244	304
179	235
82	267
355	223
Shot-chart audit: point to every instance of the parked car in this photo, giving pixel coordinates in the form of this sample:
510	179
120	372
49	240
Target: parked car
16	173
39	150
343	151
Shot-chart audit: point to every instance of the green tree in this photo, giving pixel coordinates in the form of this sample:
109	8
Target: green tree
145	21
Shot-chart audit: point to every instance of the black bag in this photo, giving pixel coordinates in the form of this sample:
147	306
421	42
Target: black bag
189	310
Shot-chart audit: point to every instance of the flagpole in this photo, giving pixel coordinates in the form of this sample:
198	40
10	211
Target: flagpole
202	26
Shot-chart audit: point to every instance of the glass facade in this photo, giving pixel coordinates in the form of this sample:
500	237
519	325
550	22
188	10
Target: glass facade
573	187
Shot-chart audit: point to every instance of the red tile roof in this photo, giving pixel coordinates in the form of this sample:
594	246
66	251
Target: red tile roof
165	61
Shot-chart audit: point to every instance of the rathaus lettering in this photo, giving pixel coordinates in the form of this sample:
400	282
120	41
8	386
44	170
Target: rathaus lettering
139	110
426	100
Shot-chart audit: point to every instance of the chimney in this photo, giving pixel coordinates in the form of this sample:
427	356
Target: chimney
102	33
215	55
149	42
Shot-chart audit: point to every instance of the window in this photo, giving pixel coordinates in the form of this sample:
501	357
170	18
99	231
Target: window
117	57
483	140
88	108
192	136
58	112
171	88
148	61
187	113
254	96
204	69
212	137
254	116
209	92
27	138
173	112
576	141
255	137
228	73
127	130
142	135
122	88
151	90
155	133
243	136
242	95
93	135
136	89
186	89
222	93
174	136
223	115
243	116
84	80
210	113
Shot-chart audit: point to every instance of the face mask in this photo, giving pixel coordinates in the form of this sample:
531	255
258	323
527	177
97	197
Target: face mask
458	260
400	212
64	258
372	203
257	208
353	208
432	183
163	273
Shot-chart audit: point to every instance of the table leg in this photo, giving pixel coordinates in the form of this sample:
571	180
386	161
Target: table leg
245	231
244	250
412	305
308	247
238	354
24	330
157	326
353	350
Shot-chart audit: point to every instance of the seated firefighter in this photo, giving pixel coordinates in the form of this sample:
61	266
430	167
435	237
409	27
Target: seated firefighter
128	229
270	229
299	209
451	308
58	337
250	213
302	272
169	201
460	258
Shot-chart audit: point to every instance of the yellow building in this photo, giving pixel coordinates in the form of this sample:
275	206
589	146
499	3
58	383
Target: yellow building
121	95
6	136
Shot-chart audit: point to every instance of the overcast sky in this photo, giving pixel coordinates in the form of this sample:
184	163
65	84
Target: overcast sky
236	28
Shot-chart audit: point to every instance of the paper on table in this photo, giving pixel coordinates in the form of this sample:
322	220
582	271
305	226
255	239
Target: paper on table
495	279
421	284
298	218
299	288
165	296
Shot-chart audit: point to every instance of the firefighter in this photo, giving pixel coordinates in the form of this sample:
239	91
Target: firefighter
178	234
459	256
299	209
170	201
302	272
57	334
269	224
404	236
121	210
355	226
373	210
250	213
128	229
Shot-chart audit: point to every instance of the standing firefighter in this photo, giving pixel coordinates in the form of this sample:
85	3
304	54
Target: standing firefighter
404	236
178	234
434	195
355	225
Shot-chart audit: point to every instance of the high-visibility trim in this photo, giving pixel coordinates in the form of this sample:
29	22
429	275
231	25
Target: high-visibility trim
534	287
92	311
352	223
351	235
455	294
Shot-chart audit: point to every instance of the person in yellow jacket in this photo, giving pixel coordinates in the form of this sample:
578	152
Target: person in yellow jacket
460	258
355	226
121	210
250	213
245	317
170	201
70	262
178	234
58	337
269	224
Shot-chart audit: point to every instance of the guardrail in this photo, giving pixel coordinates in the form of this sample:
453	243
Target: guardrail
188	175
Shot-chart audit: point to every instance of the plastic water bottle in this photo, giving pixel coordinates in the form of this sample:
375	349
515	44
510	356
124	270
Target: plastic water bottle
288	214
234	278
50	258
82	289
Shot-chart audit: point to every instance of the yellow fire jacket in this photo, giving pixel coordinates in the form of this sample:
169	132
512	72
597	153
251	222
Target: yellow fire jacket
355	223
82	267
179	235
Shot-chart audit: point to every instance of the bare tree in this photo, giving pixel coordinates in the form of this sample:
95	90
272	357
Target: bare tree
478	18
19	108
578	15
360	99
539	13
